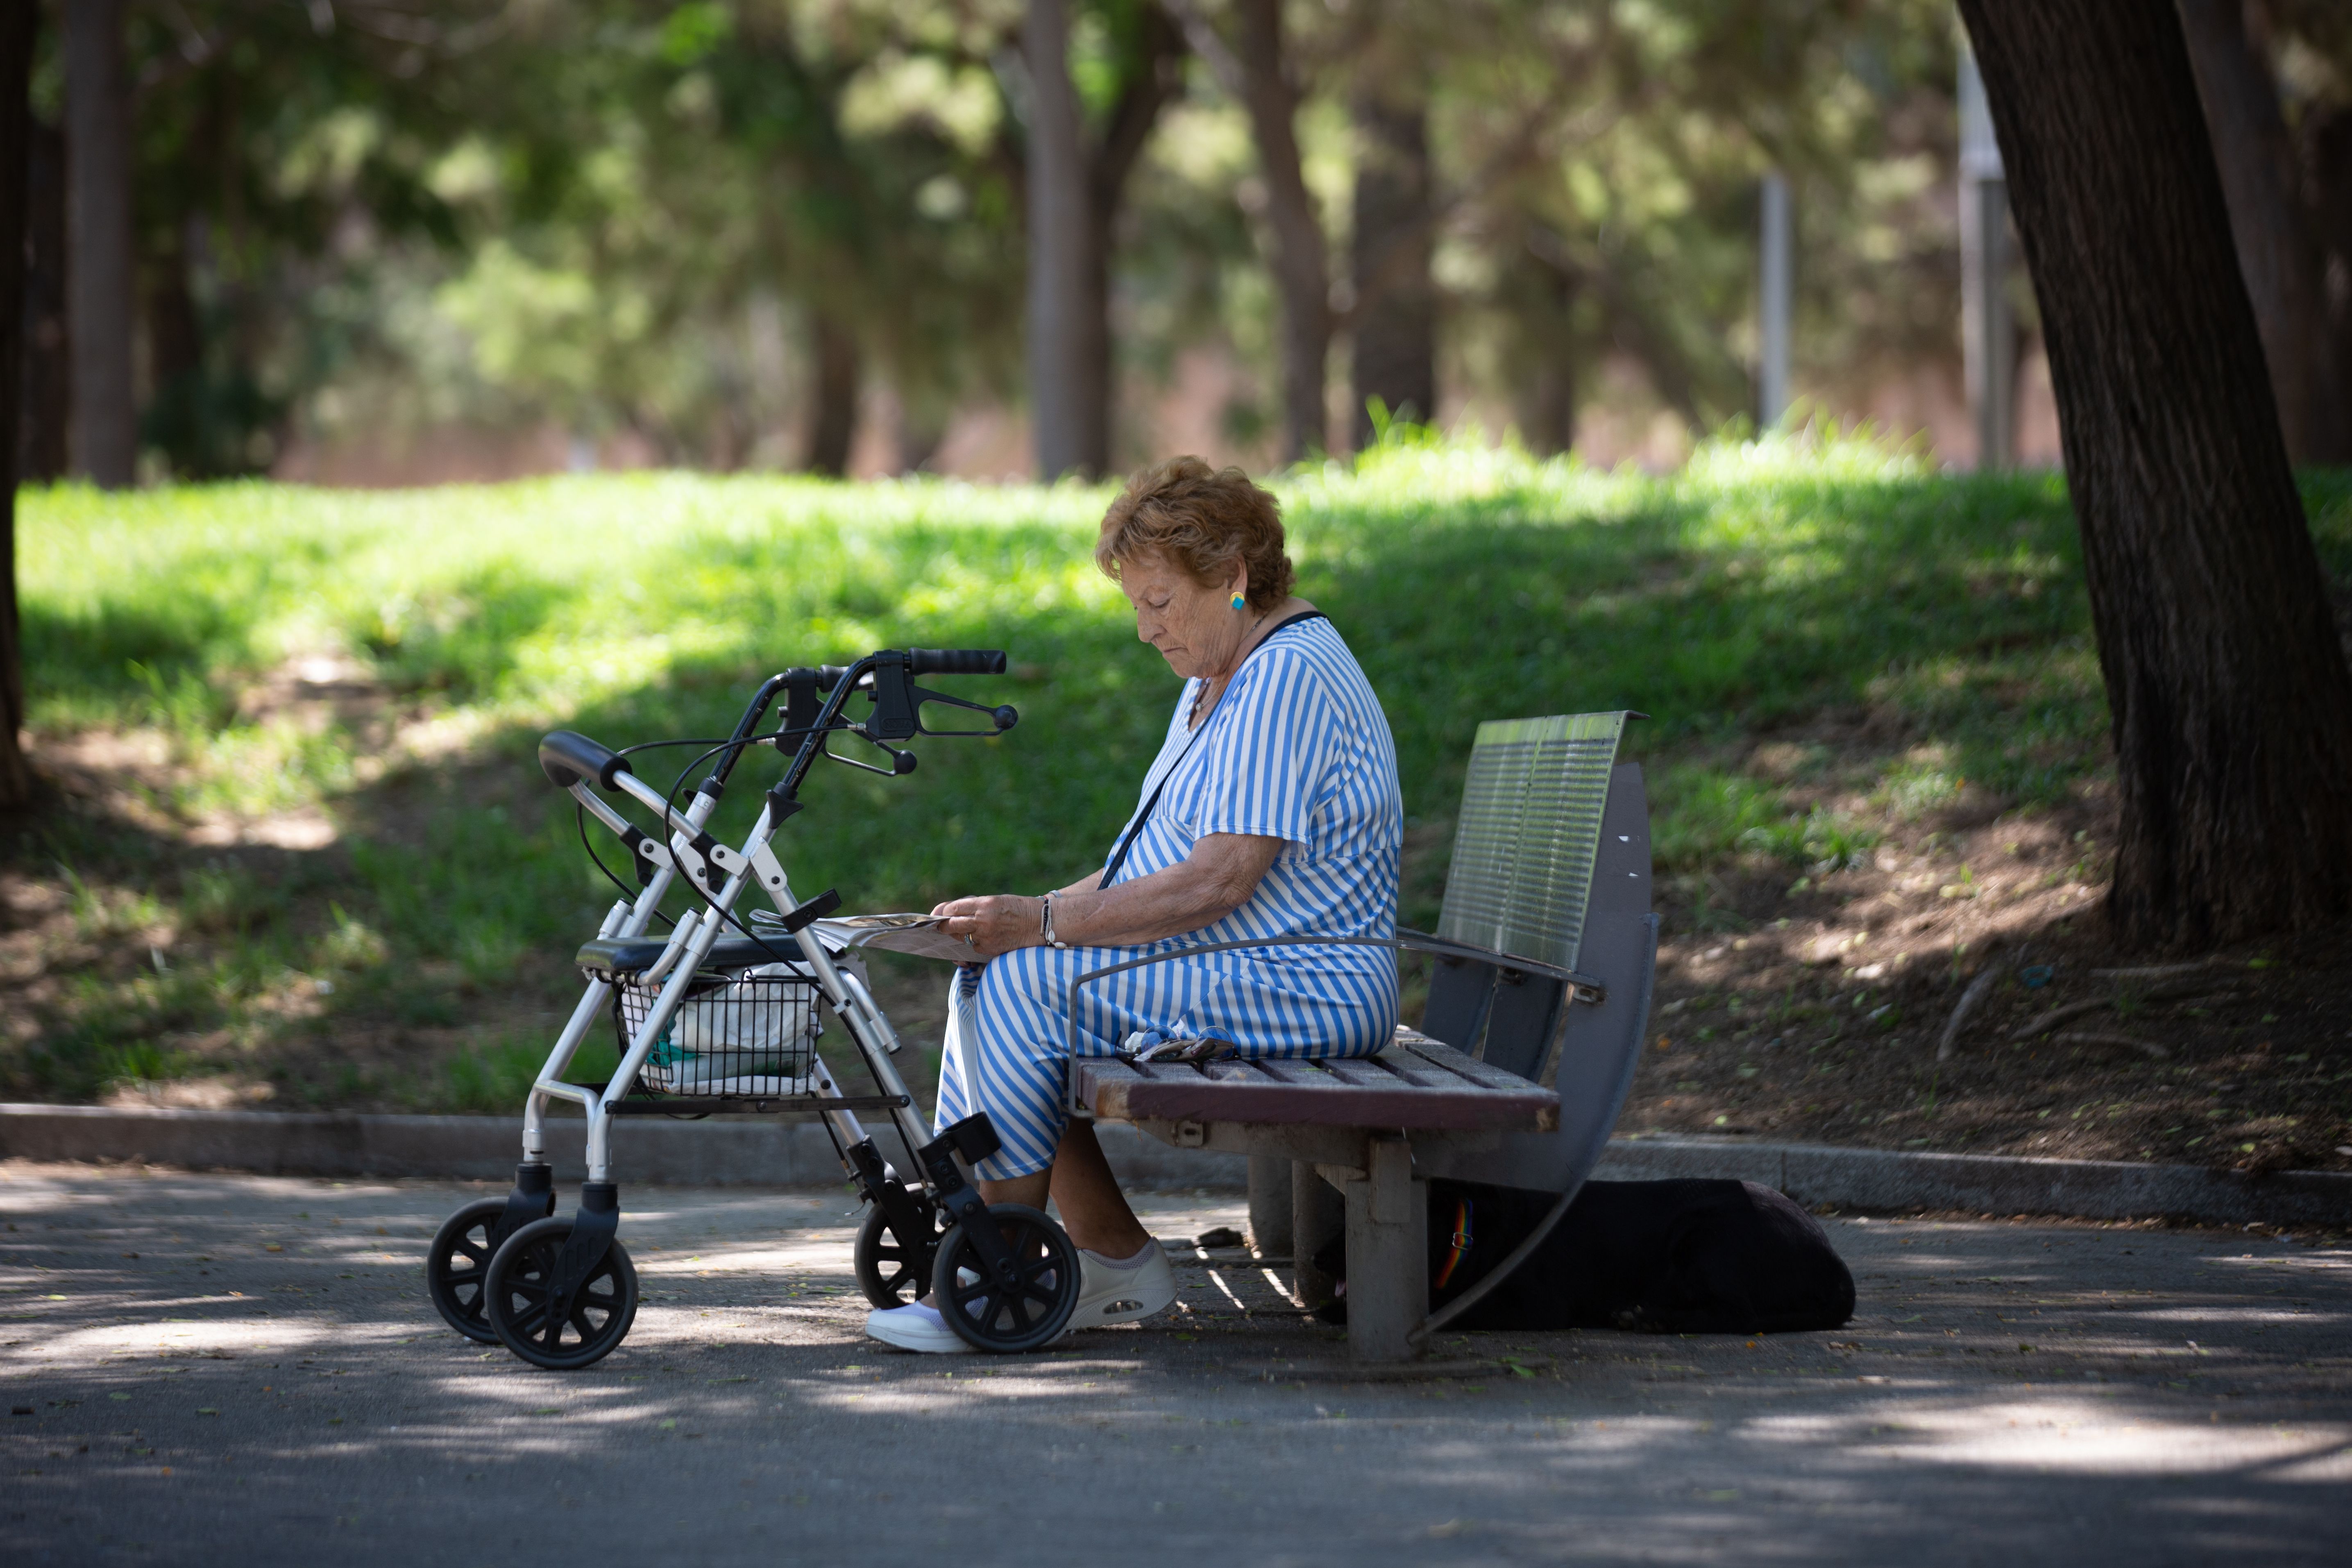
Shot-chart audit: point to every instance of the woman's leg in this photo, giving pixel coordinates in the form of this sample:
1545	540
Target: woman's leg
1077	1177
1080	1181
1014	1050
1010	1041
1094	1210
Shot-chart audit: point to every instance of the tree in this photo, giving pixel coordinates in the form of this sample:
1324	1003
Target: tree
1070	351
833	425
1545	284
1076	179
1256	73
2232	704
17	23
99	293
2284	268
1392	359
43	453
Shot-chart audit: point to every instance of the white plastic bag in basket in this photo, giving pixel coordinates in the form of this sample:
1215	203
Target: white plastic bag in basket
741	1020
740	1030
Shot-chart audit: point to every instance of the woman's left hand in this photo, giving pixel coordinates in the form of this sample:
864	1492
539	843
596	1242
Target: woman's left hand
992	925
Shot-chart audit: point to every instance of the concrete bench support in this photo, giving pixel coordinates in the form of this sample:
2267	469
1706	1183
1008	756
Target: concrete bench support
1269	1205
1318	1216
1349	1124
1388	1254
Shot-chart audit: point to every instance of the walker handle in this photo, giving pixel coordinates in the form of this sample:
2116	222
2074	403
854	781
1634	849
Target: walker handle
568	757
955	661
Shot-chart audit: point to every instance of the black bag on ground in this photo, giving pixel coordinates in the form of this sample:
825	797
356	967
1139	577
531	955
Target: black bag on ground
1682	1256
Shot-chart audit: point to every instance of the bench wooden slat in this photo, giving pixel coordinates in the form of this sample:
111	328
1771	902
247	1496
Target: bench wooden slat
1328	1094
1415	1070
1364	1074
1453	1068
1299	1073
1447	1057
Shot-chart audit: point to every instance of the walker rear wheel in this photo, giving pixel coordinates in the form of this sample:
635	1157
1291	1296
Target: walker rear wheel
459	1261
1036	1307
892	1269
516	1292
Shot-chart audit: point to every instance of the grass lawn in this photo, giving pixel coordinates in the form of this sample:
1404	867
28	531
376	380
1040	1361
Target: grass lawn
298	853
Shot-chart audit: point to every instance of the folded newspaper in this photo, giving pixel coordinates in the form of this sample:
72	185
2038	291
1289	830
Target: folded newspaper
925	936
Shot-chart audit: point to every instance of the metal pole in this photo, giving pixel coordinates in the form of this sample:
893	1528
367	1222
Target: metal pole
1775	294
1986	339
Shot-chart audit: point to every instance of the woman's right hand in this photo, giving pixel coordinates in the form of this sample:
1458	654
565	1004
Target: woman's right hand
993	923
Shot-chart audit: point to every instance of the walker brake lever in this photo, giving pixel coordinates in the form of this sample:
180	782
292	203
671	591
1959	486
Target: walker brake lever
1005	718
900	761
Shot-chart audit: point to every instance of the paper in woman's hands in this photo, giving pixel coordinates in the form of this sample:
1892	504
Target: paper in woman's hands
925	936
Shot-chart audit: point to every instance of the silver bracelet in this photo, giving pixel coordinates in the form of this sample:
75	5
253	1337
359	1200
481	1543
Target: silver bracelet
1046	919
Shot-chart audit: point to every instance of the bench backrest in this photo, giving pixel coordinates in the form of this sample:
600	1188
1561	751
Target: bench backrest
1534	797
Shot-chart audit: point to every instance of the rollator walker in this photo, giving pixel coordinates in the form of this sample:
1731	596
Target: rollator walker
722	1014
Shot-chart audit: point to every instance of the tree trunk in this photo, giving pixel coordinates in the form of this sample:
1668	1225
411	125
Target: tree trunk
1146	88
832	422
185	422
1395	351
1301	260
2326	136
42	452
16	24
1548	422
1069	354
97	166
2276	254
2230	701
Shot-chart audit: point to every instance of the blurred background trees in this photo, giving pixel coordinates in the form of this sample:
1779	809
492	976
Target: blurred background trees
398	241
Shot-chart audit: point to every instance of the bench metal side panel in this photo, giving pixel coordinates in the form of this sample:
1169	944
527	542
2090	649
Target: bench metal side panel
1601	1046
1532	803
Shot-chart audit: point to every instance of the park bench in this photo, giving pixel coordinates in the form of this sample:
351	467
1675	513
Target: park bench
1539	991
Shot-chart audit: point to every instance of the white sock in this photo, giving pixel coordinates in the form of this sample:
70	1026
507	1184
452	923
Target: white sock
1141	1255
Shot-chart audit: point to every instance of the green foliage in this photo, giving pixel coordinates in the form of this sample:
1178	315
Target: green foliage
1703	815
492	1079
1766	586
630	215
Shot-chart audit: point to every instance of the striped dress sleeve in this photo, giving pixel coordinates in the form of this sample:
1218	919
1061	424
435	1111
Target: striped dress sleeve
1269	769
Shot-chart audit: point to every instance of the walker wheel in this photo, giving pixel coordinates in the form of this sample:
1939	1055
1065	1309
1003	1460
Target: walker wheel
455	1268
515	1292
891	1269
1031	1314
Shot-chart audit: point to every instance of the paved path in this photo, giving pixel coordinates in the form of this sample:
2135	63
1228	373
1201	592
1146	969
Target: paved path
244	1369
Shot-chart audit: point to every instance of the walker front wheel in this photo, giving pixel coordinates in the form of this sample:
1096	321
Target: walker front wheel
892	1269
517	1288
1030	1312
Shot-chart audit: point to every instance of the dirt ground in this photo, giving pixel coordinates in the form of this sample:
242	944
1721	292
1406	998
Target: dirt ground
1824	1017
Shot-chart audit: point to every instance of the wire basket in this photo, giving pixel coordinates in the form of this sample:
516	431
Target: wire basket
752	1033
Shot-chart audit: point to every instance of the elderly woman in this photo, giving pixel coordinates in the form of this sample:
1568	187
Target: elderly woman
1270	811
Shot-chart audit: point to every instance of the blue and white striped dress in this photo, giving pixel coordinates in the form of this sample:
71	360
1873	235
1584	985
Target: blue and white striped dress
1297	749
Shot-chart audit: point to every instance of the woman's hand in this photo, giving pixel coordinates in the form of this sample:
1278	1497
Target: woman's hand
1219	877
992	925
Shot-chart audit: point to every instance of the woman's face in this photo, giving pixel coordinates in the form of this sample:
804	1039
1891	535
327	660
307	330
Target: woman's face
1196	629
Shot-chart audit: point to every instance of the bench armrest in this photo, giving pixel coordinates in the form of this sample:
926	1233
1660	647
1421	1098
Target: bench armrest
1582	987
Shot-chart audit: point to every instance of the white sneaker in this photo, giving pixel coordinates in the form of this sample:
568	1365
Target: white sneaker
1112	1292
916	1327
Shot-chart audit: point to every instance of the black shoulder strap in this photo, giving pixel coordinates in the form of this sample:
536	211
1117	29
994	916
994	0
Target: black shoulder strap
1119	855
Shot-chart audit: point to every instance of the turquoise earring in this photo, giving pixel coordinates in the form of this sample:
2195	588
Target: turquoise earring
1241	601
